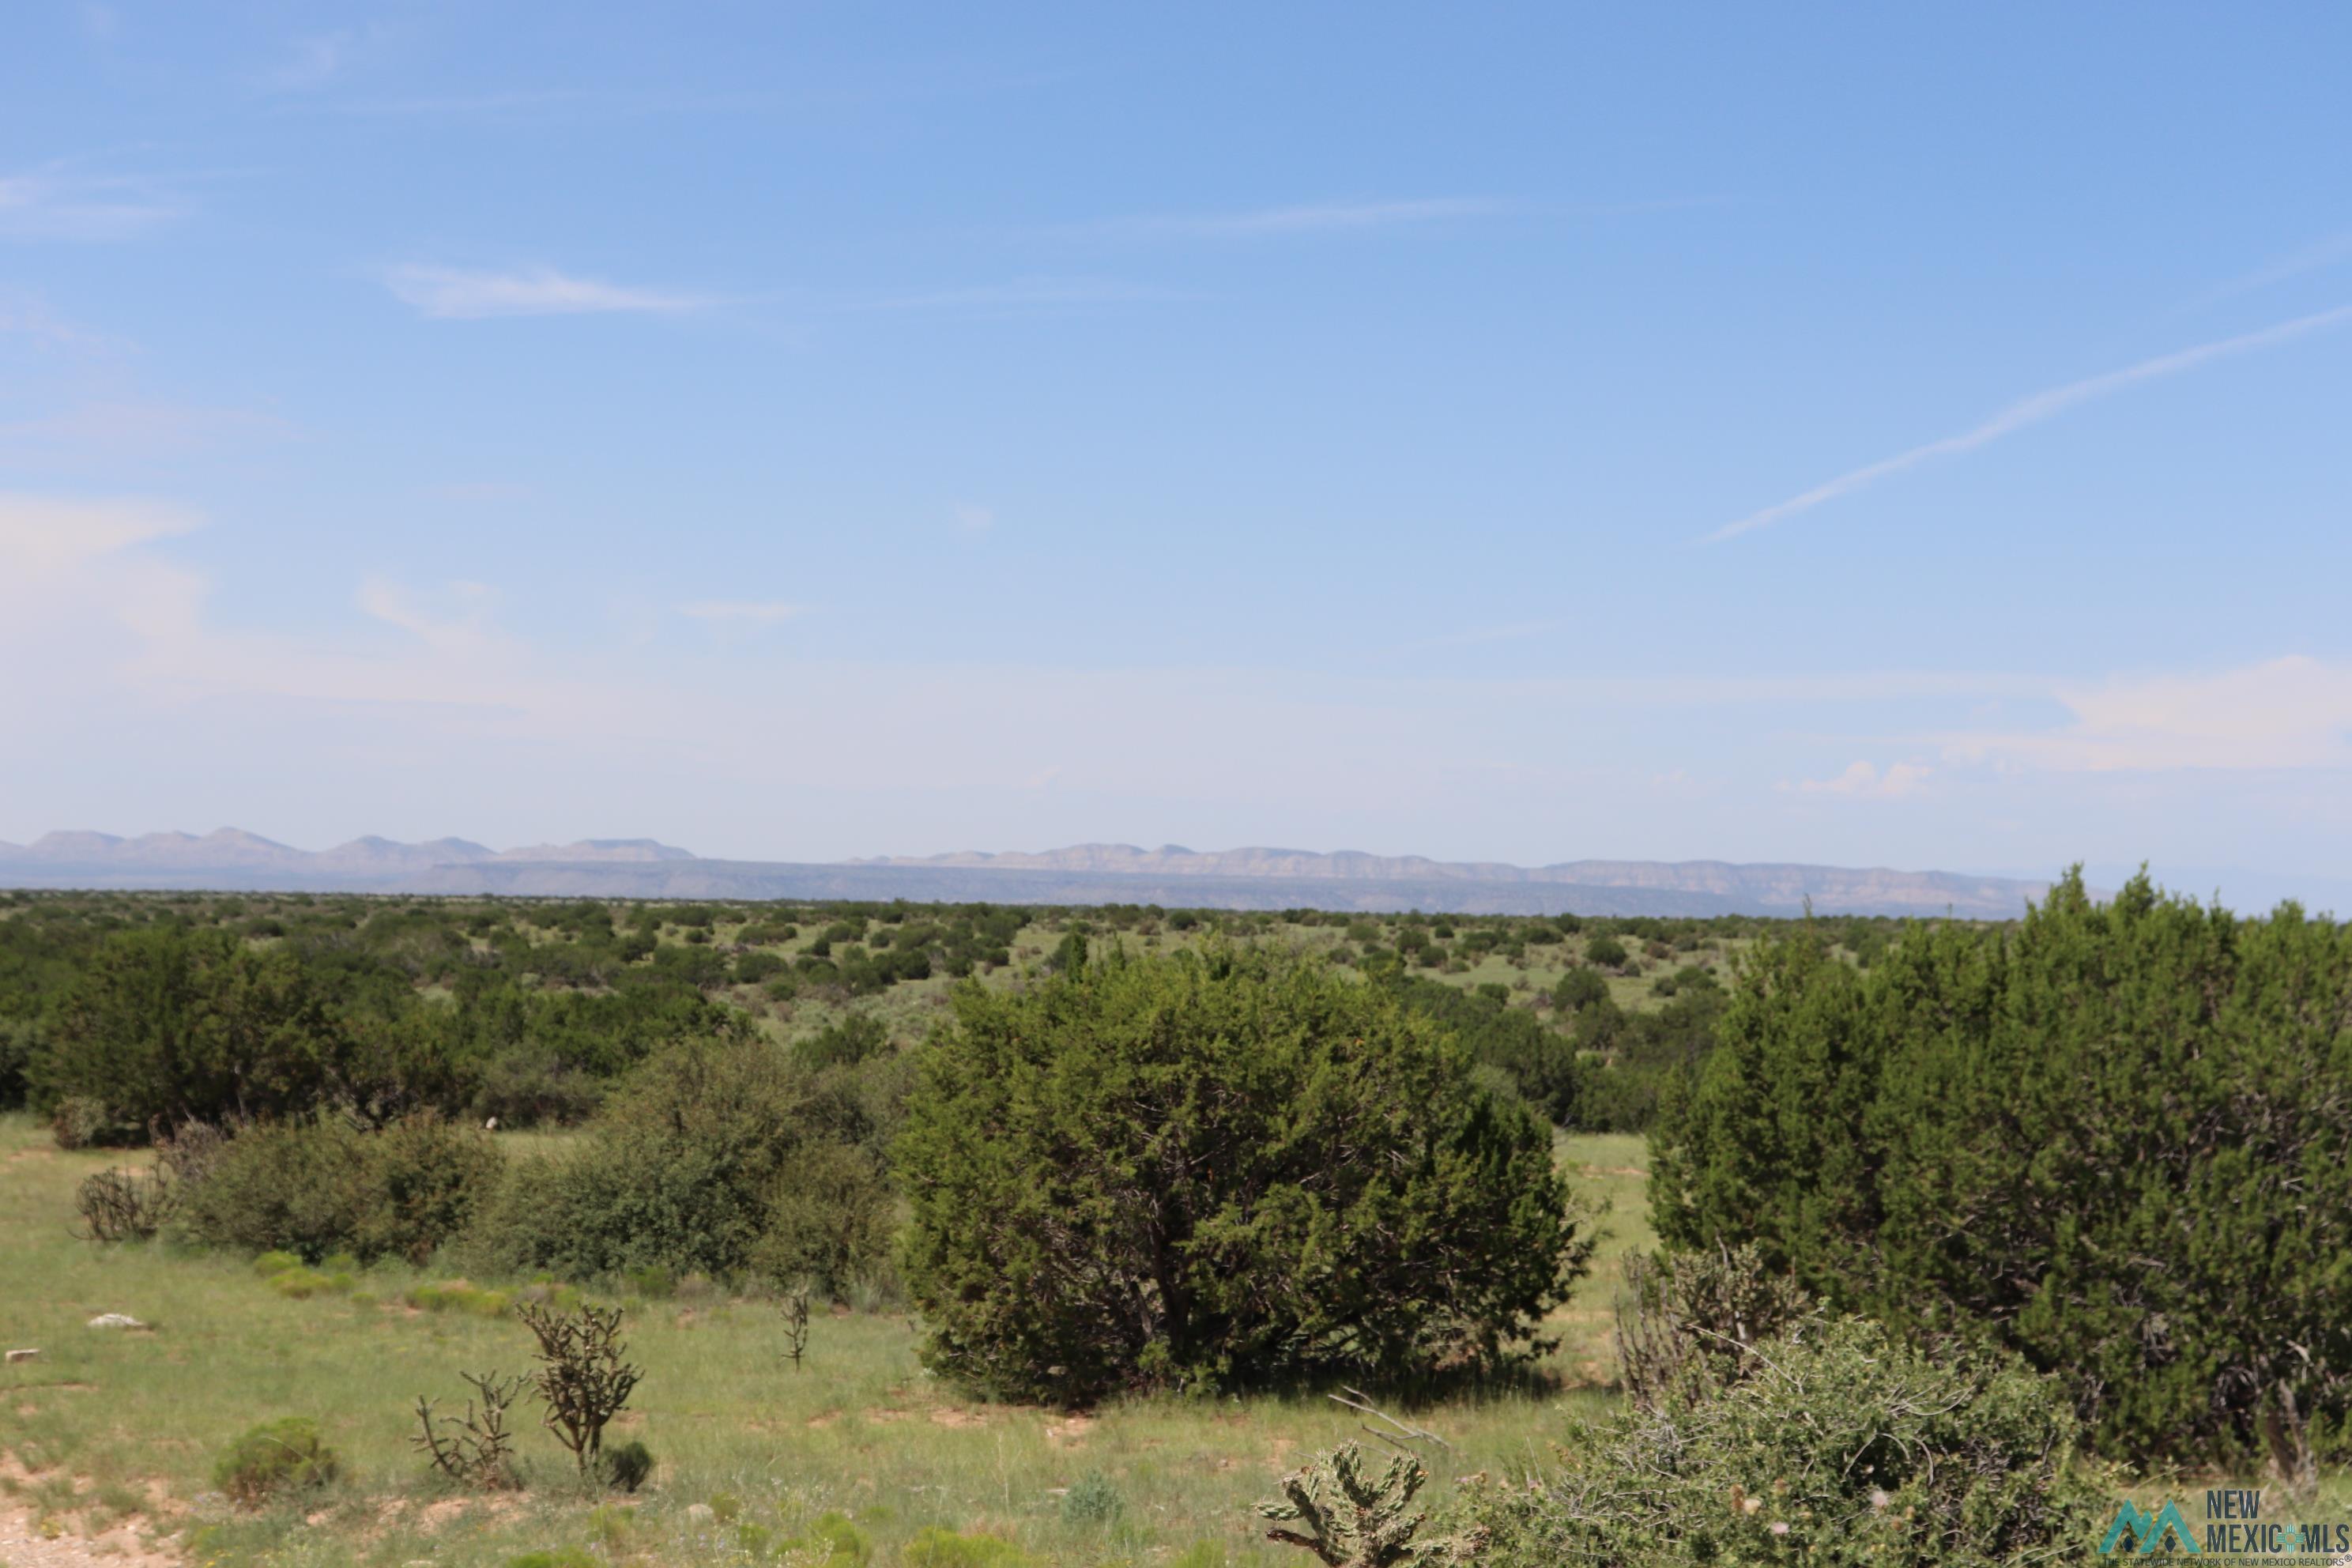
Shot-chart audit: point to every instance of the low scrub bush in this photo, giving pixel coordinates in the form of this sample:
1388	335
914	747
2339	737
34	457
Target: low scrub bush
317	1188
79	1121
300	1284
933	1547
832	1220
1696	1319
1219	1170
459	1296
125	1205
833	1540
274	1458
1093	1499
1839	1447
717	1156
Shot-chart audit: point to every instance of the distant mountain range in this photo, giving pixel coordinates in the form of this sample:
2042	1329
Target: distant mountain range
232	860
136	862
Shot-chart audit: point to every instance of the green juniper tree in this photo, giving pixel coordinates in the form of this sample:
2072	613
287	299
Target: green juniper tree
1215	1170
2115	1138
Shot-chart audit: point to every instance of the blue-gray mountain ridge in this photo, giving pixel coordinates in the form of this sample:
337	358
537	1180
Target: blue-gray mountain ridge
232	860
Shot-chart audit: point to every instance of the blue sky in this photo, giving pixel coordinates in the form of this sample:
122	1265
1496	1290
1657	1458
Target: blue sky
1888	436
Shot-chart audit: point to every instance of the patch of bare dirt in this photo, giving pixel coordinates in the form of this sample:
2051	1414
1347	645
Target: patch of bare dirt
1068	1430
33	1536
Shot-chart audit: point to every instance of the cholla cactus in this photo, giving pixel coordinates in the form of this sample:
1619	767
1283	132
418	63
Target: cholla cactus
1354	1520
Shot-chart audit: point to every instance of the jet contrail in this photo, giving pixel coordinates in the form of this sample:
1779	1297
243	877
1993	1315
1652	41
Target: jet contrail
2033	411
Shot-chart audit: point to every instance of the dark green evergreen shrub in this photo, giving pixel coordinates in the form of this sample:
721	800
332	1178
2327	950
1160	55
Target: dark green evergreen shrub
172	1024
853	1039
529	1087
1839	1447
2116	1139
1642	1053
1215	1170
1538	1061
751	968
1605	950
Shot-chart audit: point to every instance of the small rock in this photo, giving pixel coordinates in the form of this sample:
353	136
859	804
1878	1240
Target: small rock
16	1356
701	1513
116	1321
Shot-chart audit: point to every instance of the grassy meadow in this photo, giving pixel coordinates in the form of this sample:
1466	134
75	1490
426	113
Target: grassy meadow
106	1425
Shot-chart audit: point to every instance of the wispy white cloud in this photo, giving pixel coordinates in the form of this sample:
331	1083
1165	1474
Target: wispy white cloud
2290	713
56	203
972	517
43	535
446	294
1307	218
1862	781
33	320
2329	252
467	631
743	612
2033	410
118	431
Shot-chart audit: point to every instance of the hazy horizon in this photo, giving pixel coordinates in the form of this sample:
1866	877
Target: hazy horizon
2237	887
